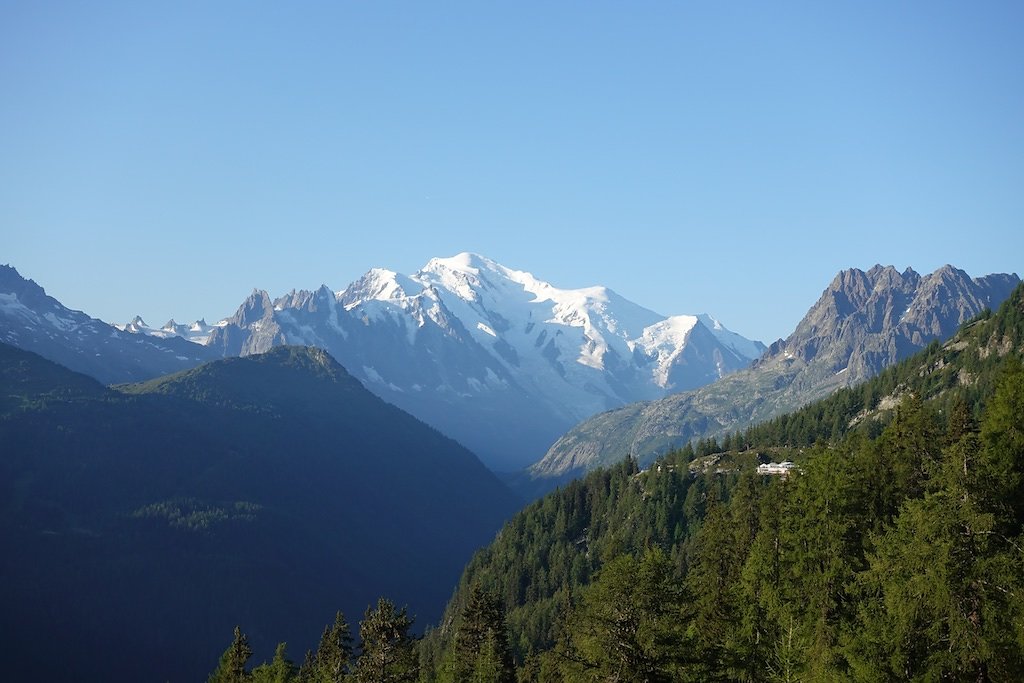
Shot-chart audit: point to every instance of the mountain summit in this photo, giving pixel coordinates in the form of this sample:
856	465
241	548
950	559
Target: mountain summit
495	357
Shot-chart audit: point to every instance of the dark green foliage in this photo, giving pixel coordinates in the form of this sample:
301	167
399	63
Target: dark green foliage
943	596
1002	435
29	381
330	663
232	663
278	670
628	625
556	544
194	515
479	651
386	653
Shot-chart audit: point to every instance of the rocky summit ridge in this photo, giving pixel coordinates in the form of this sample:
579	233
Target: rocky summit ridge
863	322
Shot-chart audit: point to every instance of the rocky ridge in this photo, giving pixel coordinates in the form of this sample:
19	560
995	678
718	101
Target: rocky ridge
863	322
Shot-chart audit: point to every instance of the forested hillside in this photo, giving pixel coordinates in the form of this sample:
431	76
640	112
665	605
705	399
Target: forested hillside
893	551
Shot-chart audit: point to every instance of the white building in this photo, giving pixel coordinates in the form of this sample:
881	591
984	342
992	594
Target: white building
776	468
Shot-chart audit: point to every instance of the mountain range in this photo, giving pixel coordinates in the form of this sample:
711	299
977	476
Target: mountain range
494	357
508	364
270	490
862	323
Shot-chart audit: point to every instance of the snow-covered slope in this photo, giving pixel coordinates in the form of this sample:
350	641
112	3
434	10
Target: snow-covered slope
582	350
493	356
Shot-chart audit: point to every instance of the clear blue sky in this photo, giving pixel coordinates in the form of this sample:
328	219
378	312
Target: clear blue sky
166	158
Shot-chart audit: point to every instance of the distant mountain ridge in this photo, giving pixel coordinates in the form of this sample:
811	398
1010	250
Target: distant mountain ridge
32	320
198	332
863	322
498	359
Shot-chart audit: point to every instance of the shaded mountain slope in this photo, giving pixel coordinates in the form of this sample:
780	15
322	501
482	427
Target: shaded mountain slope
269	490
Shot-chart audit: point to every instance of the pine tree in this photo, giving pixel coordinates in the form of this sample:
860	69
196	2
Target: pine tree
943	597
231	668
480	648
1002	434
715	565
628	626
911	446
330	663
280	670
387	653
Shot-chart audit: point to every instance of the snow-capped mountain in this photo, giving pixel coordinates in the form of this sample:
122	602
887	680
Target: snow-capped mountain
32	320
583	350
197	332
493	356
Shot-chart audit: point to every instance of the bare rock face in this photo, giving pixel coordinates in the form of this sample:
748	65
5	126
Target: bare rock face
862	323
866	321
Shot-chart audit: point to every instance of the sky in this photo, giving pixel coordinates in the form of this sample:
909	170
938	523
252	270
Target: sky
164	159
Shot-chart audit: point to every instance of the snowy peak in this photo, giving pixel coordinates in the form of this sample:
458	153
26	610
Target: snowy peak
136	326
465	275
198	332
739	344
379	284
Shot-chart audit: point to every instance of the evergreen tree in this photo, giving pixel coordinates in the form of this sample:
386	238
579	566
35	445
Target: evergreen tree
943	597
820	552
911	447
940	599
387	652
480	650
715	564
330	663
1002	434
628	626
279	670
231	668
